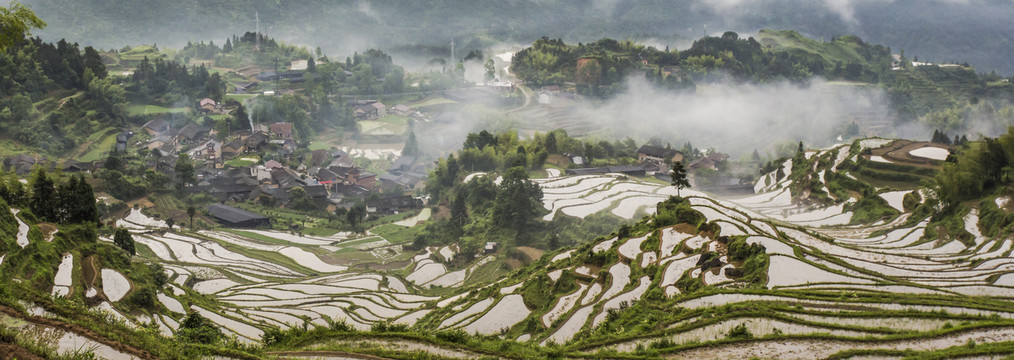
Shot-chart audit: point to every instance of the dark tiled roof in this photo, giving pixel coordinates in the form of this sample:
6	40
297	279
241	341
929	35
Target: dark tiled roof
231	214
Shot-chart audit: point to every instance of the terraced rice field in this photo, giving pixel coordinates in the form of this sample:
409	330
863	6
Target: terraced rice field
815	258
827	286
581	196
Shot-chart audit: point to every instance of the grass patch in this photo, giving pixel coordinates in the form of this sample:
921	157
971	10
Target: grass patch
394	119
314	146
378	127
103	142
141	109
397	234
258	237
239	97
432	102
350	244
242	162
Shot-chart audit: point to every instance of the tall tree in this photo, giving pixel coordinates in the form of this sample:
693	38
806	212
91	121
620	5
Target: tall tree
191	211
82	205
459	213
551	142
93	61
17	21
679	177
299	200
355	215
490	68
411	145
43	200
185	172
518	200
124	241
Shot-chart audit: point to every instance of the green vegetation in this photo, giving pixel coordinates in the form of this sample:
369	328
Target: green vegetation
143	110
17	21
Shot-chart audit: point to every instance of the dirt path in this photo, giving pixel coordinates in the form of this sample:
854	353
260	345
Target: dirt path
821	349
320	354
531	252
89	271
528	98
12	351
64	100
77	329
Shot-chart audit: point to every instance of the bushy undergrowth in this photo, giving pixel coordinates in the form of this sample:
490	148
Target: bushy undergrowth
870	209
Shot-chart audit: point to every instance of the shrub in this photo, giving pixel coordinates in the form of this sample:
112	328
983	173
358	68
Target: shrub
456	336
739	332
197	329
688	284
739	250
662	344
342	326
386	326
143	298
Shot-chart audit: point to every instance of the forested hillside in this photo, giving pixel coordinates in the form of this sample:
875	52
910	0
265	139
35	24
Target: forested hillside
976	31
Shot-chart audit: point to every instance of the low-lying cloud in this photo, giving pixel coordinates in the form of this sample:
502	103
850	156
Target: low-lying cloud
741	118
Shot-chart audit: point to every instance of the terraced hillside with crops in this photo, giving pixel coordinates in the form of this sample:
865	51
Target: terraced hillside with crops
817	264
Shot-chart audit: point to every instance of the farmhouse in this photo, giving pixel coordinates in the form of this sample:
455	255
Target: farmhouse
233	217
368	109
402	110
658	155
232	148
255	142
192	133
156	126
282	130
712	161
243	87
121	139
76	166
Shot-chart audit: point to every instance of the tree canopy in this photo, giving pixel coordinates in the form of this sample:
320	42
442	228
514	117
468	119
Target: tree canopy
16	22
679	177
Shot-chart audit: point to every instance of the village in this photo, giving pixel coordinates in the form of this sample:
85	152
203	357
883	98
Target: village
265	165
262	164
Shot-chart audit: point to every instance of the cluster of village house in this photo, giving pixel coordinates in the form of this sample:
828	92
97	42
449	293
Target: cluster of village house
652	161
329	177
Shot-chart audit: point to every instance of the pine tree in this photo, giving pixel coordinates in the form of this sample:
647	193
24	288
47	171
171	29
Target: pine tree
459	213
43	197
551	143
185	172
124	241
191	211
411	146
84	209
518	200
679	177
64	207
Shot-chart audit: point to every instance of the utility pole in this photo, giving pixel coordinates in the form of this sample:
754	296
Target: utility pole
257	29
453	59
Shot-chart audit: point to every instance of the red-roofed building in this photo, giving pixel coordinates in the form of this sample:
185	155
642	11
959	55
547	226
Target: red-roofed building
282	130
208	101
271	164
